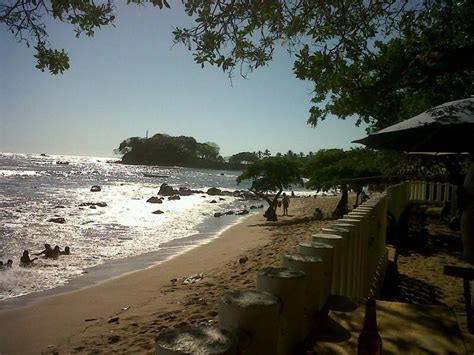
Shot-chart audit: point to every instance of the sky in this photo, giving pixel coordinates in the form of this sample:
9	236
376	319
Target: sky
130	79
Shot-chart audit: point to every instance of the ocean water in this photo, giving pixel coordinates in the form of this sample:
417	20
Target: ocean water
33	189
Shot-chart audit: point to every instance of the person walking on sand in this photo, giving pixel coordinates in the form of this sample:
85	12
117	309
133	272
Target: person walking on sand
285	202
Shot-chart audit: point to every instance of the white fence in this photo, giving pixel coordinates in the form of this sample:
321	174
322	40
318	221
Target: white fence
347	258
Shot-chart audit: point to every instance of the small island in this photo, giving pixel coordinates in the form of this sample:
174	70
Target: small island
165	150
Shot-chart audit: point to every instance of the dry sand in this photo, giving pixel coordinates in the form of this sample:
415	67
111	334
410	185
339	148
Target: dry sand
125	314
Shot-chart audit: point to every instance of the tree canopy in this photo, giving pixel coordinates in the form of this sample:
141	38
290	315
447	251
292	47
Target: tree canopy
162	149
268	179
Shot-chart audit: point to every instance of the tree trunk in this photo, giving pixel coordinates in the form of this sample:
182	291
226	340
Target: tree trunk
341	208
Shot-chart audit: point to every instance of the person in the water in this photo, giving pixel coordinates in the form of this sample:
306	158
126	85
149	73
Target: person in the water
25	259
48	251
66	251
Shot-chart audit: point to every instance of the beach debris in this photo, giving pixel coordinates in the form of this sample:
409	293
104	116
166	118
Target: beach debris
158	212
96	188
114	320
318	213
57	220
193	279
154	199
125	308
174	197
114	339
243	260
90	319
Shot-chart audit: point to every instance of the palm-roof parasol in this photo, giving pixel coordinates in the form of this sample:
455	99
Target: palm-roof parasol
448	127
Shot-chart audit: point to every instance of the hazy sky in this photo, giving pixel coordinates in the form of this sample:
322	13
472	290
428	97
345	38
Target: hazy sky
129	79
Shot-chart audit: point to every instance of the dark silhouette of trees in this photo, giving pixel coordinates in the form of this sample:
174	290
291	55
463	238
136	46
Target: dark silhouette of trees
162	149
243	158
269	177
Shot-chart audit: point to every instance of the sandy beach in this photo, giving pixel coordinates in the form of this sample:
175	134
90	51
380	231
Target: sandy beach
126	313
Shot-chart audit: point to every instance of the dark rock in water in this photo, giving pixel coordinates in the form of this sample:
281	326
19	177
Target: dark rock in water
57	220
158	212
228	213
59	206
166	190
243	260
42	154
214	191
174	197
98	204
221	199
154	199
203	196
260	206
92	207
253	207
243	212
62	162
217	214
95	188
226	193
213	201
184	191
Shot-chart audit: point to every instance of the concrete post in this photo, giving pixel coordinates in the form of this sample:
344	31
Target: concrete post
289	285
344	257
351	269
326	253
253	318
195	340
337	242
355	228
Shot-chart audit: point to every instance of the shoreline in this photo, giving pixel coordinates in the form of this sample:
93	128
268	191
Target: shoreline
207	231
126	313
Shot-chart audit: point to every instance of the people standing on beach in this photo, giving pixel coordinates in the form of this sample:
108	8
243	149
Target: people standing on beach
286	203
25	259
48	251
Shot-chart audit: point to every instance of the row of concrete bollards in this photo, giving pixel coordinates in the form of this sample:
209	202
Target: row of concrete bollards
343	260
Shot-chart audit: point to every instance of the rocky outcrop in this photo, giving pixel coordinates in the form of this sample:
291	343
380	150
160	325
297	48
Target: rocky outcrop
166	190
60	220
96	188
154	199
184	191
98	204
214	191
